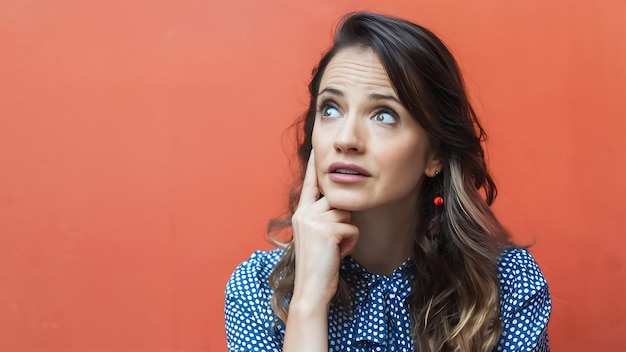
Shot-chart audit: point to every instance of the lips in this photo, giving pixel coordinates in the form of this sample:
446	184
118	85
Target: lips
347	169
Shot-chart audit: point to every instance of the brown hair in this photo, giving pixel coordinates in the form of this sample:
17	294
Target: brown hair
454	301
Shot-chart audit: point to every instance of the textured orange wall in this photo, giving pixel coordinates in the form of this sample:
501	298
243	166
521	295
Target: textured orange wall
141	155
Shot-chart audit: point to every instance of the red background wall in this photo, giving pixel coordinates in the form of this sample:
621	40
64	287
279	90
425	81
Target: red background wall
141	154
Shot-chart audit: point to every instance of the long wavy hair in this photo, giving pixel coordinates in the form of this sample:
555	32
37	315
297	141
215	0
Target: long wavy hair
454	302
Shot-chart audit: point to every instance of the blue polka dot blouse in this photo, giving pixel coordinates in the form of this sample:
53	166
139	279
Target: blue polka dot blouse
380	320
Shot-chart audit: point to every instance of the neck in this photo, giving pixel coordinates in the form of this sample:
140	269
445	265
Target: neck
386	238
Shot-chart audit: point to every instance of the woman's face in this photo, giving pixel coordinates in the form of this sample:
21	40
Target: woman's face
369	152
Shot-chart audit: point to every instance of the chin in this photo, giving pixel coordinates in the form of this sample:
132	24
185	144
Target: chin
348	203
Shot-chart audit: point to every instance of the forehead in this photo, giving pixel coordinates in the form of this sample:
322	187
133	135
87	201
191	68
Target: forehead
356	67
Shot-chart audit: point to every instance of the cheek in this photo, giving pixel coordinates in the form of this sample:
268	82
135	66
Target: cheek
320	145
316	141
405	165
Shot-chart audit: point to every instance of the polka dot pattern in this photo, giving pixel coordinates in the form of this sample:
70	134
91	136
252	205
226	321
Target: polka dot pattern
379	319
525	303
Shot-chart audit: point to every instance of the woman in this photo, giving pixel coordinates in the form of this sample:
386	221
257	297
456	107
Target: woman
394	246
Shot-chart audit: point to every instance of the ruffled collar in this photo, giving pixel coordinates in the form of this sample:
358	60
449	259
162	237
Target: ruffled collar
378	301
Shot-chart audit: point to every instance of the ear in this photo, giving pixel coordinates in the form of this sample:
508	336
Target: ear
433	164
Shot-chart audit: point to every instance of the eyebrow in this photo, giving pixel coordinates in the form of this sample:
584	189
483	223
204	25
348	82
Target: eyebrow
376	96
373	96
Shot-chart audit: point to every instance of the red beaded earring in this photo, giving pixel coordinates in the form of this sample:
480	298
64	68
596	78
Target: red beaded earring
438	199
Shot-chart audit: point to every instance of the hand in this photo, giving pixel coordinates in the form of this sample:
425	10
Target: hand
322	237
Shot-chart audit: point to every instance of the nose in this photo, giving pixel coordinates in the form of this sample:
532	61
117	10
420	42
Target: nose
350	136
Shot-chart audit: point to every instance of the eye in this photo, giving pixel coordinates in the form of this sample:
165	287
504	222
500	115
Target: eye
386	117
330	111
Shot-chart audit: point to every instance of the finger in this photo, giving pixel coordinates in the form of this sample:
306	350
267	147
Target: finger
333	215
320	206
319	212
349	238
310	191
342	216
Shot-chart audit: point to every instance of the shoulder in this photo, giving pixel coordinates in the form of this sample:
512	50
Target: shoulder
518	271
524	295
252	275
249	318
525	303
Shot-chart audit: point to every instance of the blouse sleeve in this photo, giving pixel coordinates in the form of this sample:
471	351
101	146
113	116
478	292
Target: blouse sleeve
249	317
525	304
